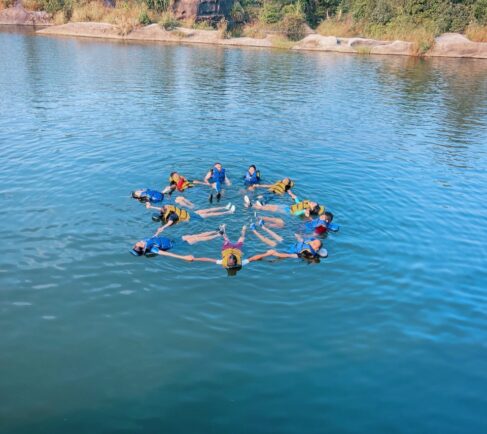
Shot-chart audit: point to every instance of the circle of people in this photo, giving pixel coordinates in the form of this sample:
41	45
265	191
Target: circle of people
309	246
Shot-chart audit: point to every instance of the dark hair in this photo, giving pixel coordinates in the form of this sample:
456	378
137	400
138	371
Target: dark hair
217	163
172	174
134	196
233	271
315	210
329	216
234	260
253	165
139	250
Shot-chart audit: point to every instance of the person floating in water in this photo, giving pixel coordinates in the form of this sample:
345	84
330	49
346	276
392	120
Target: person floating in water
171	215
304	208
279	188
216	178
148	195
156	246
177	182
252	177
321	224
306	248
232	255
263	223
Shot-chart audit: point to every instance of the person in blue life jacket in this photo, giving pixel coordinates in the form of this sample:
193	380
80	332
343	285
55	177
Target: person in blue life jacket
305	248
322	224
157	246
252	177
217	178
148	195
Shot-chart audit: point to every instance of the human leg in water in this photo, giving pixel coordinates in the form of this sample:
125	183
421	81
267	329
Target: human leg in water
204	236
277	237
261	237
270	222
213	212
180	200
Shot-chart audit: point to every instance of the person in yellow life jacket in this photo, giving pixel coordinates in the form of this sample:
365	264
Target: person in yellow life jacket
306	208
177	182
232	256
278	188
171	214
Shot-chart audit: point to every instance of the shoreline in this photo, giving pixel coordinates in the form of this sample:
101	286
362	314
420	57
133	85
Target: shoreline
453	45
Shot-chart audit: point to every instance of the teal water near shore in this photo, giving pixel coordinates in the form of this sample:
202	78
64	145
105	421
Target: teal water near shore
386	335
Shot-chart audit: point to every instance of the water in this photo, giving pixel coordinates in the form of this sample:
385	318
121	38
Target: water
387	335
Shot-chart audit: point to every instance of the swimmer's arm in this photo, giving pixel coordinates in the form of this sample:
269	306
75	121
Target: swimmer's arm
205	260
298	237
161	229
227	181
188	258
207	178
260	256
261	186
149	206
285	255
292	195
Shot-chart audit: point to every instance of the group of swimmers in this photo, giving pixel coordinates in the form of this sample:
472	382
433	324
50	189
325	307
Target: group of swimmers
308	245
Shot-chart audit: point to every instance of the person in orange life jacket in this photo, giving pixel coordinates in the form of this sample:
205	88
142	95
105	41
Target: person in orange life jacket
232	255
177	182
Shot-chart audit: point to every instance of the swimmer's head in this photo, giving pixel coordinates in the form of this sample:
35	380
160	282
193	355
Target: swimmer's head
218	166
135	194
327	217
174	176
288	183
138	248
252	169
314	208
316	244
232	265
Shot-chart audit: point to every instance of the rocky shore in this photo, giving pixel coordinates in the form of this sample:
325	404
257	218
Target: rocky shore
446	45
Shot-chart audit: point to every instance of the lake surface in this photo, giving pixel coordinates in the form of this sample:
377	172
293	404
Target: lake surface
387	335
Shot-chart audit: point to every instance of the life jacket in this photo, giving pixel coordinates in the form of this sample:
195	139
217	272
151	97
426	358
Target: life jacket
280	188
217	176
303	247
303	205
227	253
152	196
182	214
252	179
181	182
154	244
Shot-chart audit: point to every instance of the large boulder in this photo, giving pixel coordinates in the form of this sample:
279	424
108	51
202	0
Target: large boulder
19	16
456	45
211	10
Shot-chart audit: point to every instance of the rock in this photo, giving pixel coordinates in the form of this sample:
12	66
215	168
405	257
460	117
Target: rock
397	47
211	10
457	45
19	16
89	30
317	42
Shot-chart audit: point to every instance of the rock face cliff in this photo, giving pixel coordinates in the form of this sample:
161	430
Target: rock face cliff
212	10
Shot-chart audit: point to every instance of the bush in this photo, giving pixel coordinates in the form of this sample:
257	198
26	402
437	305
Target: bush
270	13
144	18
237	13
168	21
158	5
292	26
480	11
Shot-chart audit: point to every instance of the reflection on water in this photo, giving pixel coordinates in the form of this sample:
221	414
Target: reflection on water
97	340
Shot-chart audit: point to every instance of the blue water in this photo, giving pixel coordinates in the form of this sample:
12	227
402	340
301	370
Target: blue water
387	335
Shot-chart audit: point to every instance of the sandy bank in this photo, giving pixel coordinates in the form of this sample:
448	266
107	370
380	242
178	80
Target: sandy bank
447	45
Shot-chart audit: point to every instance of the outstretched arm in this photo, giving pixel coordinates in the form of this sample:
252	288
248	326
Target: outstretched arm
188	258
261	256
205	260
294	197
284	255
161	229
149	206
207	178
227	181
298	237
